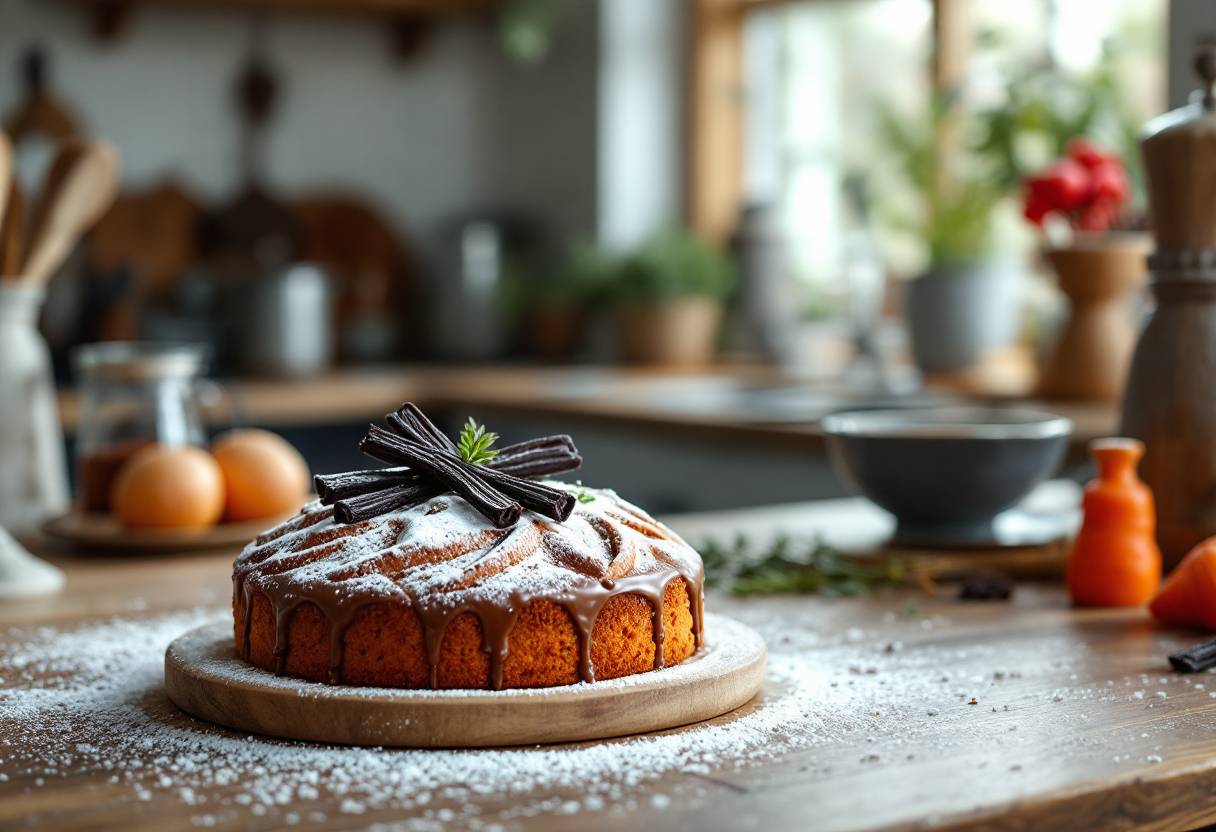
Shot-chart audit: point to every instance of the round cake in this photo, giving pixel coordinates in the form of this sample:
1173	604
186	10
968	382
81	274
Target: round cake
437	596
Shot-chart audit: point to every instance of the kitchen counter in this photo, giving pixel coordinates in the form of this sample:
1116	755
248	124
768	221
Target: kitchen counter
738	404
897	711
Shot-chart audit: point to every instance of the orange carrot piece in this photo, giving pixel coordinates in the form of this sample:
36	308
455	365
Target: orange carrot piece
1188	598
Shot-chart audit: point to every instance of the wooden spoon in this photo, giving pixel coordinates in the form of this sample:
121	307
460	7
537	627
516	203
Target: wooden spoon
6	171
80	187
12	223
12	232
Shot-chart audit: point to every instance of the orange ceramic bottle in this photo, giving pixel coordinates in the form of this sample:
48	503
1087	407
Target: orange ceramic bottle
1115	561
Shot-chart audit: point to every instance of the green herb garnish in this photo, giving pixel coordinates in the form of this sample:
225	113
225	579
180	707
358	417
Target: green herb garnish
819	569
475	443
584	497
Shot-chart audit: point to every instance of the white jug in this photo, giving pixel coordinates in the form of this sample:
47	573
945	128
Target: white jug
33	471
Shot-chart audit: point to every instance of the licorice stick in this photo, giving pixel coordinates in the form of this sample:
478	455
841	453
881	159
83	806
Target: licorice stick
366	506
534	458
333	487
548	502
538	458
491	488
1197	658
411	423
532	461
355	489
457	475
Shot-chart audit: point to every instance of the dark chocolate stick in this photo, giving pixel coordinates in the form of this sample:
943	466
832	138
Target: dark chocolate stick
1197	658
366	506
395	450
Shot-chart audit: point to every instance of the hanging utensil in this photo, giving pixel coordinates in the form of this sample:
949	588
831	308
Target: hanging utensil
6	171
80	187
12	231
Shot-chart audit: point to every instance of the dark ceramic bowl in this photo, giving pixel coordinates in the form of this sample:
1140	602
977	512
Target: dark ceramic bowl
945	473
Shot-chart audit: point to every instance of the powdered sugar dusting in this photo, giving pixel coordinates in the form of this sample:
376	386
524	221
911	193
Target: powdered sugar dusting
844	691
94	698
443	550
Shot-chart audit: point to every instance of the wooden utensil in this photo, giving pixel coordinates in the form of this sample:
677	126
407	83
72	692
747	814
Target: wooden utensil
80	187
6	171
39	114
12	231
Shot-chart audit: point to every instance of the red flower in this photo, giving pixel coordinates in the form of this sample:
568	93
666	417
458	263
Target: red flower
1088	186
1098	215
1087	153
1063	187
1109	181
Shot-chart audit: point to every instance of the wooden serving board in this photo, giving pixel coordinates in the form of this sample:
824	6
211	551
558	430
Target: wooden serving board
101	530
204	677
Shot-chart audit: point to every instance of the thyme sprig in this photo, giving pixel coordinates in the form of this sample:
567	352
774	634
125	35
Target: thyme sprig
786	567
475	443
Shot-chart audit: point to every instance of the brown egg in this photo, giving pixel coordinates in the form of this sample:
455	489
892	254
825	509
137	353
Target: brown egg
168	488
265	476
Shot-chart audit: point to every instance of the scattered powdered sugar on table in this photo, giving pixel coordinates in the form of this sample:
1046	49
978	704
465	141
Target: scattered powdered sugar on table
94	698
91	702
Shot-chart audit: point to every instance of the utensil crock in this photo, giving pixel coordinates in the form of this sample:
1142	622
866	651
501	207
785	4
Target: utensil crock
33	471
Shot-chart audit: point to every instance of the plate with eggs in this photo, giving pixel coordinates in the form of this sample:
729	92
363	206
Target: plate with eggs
175	499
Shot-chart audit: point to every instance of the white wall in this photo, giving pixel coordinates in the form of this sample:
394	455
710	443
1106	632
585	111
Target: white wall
641	118
459	129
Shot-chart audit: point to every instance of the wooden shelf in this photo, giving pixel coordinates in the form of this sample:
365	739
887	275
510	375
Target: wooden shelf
430	8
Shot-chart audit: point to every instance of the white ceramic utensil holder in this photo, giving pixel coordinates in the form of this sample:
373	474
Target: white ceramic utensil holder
33	472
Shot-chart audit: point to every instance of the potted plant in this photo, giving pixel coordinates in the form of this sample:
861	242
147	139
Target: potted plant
669	297
962	302
556	304
1076	202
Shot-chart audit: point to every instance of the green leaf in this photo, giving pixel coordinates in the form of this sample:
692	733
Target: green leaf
475	443
784	569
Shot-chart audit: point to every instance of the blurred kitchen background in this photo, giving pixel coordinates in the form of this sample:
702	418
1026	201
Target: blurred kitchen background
679	230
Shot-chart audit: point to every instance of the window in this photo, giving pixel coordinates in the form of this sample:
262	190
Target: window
818	73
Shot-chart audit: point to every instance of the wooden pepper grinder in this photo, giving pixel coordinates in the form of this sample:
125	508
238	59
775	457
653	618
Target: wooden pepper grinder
1170	403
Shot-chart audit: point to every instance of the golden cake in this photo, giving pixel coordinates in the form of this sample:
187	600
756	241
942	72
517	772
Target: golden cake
436	596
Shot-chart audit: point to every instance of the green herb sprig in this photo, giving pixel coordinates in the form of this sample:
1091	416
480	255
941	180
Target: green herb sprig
475	443
820	569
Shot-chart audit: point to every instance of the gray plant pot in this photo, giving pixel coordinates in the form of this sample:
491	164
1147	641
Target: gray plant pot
956	312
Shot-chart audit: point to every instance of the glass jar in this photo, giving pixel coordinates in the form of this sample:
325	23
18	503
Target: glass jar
134	395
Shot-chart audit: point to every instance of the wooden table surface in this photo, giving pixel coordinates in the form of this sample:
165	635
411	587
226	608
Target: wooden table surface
901	711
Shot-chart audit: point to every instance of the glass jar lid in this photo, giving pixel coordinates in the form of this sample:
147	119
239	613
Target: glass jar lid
139	360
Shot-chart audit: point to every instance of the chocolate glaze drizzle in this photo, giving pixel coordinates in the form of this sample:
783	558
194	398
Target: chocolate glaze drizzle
616	549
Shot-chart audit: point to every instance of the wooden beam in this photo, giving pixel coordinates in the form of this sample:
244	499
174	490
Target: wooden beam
952	41
715	180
